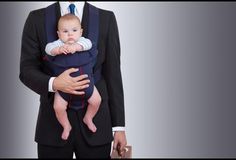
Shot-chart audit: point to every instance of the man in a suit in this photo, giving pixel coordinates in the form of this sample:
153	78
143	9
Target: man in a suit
35	74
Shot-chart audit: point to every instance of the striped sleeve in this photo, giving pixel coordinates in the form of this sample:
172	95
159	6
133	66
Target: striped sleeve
86	43
52	45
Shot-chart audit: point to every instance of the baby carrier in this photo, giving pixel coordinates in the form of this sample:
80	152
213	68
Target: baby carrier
84	60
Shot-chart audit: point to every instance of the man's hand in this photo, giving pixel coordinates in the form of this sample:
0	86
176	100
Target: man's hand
119	142
65	83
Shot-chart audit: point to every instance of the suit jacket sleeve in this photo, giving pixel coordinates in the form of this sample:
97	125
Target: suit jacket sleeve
31	73
112	74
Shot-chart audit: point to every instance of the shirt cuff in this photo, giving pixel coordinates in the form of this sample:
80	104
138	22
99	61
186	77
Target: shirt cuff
118	129
50	89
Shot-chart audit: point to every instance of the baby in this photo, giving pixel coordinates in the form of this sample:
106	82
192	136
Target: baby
71	41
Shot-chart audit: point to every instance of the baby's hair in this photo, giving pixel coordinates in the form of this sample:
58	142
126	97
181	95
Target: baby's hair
68	17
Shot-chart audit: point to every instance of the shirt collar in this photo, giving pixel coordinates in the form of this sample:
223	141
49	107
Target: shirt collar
78	10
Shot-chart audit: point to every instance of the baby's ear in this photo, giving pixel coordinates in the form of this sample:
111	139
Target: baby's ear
58	33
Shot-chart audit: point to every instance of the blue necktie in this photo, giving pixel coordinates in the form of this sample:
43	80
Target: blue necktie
72	8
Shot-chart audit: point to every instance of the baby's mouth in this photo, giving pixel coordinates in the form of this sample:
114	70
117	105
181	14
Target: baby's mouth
71	39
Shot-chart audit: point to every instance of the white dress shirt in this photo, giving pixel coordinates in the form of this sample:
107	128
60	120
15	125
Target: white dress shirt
79	6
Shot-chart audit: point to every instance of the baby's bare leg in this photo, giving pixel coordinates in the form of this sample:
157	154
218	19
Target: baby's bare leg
60	106
93	104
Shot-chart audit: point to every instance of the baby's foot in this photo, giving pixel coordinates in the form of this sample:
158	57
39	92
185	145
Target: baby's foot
66	133
90	124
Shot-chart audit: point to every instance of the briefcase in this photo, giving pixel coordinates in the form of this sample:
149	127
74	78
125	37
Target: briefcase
127	154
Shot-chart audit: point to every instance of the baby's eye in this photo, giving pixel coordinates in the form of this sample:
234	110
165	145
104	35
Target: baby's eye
65	31
74	30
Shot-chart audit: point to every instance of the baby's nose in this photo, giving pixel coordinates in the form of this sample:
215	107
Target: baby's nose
70	33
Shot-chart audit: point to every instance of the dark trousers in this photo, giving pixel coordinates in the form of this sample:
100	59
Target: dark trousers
76	144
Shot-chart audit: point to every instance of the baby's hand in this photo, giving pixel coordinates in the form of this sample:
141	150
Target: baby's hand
63	49
72	48
78	47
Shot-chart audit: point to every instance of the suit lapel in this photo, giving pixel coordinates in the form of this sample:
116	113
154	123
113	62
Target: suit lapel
85	20
58	11
52	15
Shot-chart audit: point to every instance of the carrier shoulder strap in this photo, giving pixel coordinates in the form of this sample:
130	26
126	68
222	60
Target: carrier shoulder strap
93	34
93	28
93	25
51	23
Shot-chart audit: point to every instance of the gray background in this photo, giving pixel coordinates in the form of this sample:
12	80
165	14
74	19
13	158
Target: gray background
178	66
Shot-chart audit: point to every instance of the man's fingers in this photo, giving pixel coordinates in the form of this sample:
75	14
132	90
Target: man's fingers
78	92
79	78
81	87
71	70
73	85
122	149
81	83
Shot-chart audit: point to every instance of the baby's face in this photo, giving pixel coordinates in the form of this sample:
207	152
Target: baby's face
69	31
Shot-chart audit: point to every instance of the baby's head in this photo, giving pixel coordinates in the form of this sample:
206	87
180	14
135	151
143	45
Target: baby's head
69	28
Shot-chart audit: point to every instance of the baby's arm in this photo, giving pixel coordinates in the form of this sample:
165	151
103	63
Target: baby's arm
85	43
56	48
82	45
72	48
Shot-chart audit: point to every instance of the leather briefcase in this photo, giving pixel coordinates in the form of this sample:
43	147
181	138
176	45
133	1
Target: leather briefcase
127	154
